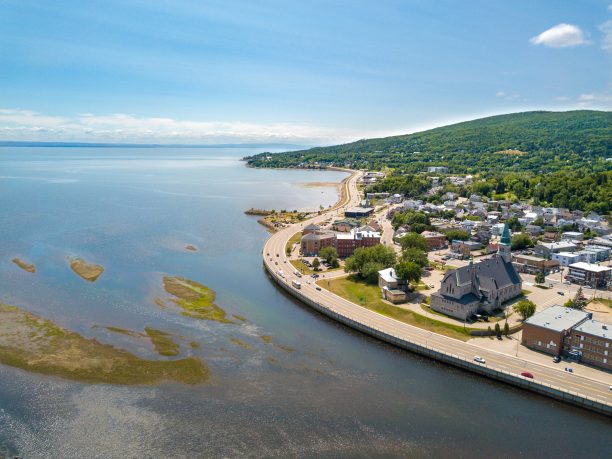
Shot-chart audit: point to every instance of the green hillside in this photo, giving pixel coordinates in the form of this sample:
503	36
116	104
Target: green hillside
539	142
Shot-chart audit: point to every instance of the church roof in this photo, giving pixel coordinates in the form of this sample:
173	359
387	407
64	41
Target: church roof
505	239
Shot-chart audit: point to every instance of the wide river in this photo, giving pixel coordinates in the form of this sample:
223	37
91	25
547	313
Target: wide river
318	389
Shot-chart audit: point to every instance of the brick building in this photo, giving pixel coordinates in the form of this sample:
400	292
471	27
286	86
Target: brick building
434	239
589	274
547	330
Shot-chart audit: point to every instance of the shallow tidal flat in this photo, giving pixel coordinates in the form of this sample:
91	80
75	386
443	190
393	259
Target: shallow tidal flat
24	265
38	345
88	271
195	300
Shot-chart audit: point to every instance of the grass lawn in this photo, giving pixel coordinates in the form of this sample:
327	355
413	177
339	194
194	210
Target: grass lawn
301	267
603	301
368	296
295	239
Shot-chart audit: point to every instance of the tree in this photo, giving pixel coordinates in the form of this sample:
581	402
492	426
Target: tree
497	329
525	308
329	254
369	272
457	235
489	330
506	329
408	271
413	240
361	261
416	256
521	241
315	264
540	278
579	301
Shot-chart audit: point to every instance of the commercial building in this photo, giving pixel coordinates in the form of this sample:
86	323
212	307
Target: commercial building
311	243
311	228
589	274
548	330
533	265
601	253
347	243
434	239
591	341
358	212
479	287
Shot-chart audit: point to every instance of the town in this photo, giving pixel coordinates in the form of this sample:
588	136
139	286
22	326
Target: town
536	278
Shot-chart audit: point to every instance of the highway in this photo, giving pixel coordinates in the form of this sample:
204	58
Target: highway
275	259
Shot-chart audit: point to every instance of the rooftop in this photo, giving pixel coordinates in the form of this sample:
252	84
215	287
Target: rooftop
596	328
558	318
388	275
590	267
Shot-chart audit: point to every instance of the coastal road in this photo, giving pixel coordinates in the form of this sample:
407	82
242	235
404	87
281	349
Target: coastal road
276	260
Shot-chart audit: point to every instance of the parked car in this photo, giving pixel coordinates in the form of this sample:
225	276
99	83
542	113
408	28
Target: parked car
556	359
561	293
479	359
526	374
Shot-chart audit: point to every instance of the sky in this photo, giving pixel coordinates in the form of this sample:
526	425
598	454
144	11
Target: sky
304	72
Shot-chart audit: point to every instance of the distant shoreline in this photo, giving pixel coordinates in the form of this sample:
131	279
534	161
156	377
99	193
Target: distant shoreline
19	143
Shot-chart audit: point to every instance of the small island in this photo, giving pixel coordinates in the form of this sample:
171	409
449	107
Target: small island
191	248
38	345
196	300
88	271
24	265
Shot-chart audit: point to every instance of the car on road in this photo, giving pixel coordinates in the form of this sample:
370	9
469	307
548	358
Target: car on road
318	288
561	293
526	374
479	359
569	369
556	359
428	268
499	337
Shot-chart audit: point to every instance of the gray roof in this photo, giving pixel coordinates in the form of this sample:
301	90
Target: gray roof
465	299
317	236
493	272
596	328
558	318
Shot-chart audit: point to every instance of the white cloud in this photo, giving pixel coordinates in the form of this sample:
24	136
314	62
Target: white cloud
500	93
561	36
606	29
120	127
602	100
562	98
506	96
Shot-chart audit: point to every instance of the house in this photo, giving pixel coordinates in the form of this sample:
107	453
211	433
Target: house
546	249
479	287
548	330
589	274
392	287
566	258
572	236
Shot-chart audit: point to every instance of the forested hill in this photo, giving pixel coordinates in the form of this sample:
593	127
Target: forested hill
538	142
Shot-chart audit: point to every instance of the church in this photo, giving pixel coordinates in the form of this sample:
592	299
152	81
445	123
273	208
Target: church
479	287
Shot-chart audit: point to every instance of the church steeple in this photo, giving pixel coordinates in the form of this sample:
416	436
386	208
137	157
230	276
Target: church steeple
505	244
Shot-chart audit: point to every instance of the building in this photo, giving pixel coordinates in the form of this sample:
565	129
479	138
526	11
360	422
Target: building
437	169
311	228
480	287
345	225
465	248
546	249
434	239
591	342
594	276
311	243
533	265
347	243
358	212
587	256
566	258
601	253
548	330
572	236
392	287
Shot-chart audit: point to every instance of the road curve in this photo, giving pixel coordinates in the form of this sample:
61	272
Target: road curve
275	259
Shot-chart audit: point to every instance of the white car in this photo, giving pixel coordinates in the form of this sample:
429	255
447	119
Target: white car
479	359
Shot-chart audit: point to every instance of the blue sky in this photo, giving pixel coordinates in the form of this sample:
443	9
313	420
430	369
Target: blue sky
311	72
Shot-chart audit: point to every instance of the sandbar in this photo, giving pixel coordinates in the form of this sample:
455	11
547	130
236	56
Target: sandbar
25	266
88	271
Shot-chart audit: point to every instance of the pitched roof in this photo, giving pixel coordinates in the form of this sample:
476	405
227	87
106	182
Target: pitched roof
493	273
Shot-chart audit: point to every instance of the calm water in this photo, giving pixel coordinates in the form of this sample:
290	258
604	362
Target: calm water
325	391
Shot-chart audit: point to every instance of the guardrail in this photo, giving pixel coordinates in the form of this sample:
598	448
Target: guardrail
575	398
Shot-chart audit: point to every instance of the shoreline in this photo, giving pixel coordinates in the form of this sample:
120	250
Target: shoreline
427	343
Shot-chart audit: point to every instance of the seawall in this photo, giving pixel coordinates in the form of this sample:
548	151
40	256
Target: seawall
499	375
